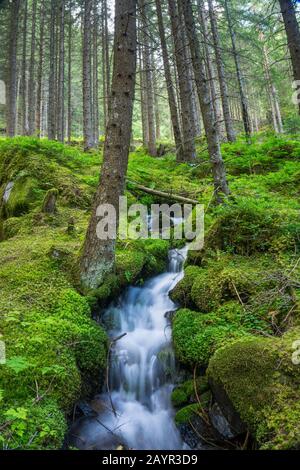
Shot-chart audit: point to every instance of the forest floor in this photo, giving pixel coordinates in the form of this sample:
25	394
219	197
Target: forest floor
240	295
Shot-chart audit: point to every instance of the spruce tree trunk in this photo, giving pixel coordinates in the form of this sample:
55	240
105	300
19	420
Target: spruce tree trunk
184	84
31	80
239	74
170	85
219	172
40	70
61	75
87	78
231	137
52	75
98	256
95	73
23	84
149	88
69	129
12	80
293	34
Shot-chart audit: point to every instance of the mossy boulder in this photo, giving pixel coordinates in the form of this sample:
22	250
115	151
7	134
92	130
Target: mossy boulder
261	381
197	336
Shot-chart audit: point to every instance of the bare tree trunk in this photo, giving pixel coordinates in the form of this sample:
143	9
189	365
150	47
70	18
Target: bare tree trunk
12	80
40	70
61	75
98	256
156	97
95	74
69	130
218	167
185	91
149	81
105	61
52	75
32	81
231	137
144	112
275	109
240	78
87	79
293	35
23	84
170	86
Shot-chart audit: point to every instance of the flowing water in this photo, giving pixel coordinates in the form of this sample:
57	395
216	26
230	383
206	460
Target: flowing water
141	367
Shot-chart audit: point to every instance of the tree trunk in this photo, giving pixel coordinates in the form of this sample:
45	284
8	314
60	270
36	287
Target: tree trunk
69	130
170	86
240	78
32	81
98	256
231	137
149	81
61	75
185	91
40	70
218	167
275	109
12	81
87	79
95	74
23	84
52	75
293	35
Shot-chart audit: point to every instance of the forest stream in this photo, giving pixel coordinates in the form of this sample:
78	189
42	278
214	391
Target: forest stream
138	414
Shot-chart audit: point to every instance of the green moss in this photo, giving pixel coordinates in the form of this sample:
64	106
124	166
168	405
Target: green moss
262	383
197	336
185	392
181	294
186	414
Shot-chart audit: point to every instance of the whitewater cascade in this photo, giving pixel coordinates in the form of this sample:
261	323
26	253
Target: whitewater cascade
141	366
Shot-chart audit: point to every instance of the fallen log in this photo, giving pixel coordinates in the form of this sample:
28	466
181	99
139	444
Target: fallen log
170	195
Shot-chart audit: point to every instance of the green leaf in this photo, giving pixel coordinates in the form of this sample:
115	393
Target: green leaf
18	364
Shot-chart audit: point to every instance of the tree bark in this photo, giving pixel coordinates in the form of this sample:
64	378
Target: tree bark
23	84
12	81
293	35
239	74
98	256
40	70
149	90
70	116
185	91
218	168
170	85
52	75
231	137
95	73
32	81
87	78
61	75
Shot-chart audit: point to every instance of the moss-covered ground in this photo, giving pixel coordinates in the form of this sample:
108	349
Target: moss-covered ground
239	297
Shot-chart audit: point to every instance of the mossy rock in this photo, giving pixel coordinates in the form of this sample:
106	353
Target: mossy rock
186	414
185	392
23	194
262	383
181	294
197	336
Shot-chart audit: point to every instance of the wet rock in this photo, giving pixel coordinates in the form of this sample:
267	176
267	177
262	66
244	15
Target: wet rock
220	423
8	191
170	315
85	409
197	434
224	416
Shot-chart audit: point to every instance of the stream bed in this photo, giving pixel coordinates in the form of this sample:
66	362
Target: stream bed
137	413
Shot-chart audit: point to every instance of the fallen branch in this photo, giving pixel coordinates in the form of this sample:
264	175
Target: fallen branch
155	192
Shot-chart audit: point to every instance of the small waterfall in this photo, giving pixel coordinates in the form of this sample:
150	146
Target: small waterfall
140	380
